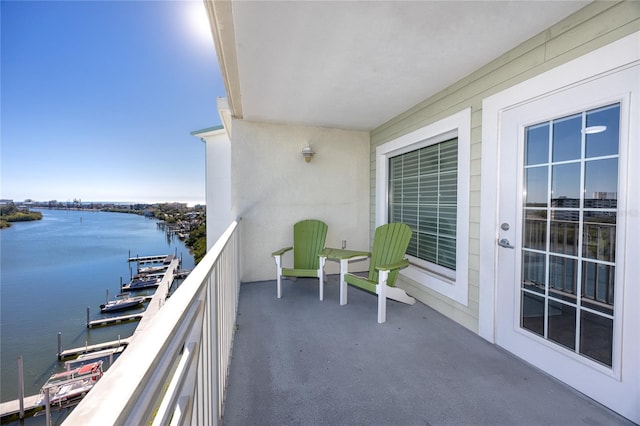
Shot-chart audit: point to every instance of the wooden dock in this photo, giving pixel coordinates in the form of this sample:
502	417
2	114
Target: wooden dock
68	353
99	354
144	260
160	295
183	274
11	409
101	322
156	302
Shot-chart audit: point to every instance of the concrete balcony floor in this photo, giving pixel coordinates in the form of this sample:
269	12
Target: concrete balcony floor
299	361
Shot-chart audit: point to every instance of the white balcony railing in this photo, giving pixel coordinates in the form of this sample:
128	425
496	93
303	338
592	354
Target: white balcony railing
175	370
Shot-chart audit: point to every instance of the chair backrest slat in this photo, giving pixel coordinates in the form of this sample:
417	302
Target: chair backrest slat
390	243
308	241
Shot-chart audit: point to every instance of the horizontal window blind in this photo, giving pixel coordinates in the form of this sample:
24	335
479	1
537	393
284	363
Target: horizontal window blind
423	194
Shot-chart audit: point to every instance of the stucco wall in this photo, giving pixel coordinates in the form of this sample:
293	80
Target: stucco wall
218	159
273	188
594	26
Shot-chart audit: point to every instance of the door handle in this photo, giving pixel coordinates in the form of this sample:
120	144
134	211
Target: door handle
505	243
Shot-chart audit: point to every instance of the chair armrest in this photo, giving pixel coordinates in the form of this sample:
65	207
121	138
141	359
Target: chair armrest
281	251
340	254
398	265
326	252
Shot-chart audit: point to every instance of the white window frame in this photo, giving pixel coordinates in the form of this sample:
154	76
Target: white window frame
452	284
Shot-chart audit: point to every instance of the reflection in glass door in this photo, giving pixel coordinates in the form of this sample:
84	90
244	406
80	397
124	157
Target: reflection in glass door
569	232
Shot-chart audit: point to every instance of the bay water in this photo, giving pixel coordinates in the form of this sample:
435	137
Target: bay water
52	270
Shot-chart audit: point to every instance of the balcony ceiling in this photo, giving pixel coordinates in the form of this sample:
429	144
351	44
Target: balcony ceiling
356	65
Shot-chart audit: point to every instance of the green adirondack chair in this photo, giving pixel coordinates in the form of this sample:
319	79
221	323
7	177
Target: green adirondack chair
390	244
308	241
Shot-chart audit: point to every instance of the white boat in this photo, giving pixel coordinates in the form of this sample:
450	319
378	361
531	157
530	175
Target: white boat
141	282
72	384
152	269
122	301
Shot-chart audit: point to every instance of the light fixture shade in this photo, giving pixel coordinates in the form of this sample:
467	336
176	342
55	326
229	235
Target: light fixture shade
307	153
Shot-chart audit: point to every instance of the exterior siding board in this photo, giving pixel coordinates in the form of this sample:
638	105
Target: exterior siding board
476	150
474	294
604	23
592	27
474	262
475	185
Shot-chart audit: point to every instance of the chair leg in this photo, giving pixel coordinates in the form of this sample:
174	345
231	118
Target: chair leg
321	276
278	277
382	296
279	285
344	268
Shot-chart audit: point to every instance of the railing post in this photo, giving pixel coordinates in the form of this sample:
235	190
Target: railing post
47	404
21	387
215	353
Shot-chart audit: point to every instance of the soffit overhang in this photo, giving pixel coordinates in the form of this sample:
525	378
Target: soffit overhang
356	65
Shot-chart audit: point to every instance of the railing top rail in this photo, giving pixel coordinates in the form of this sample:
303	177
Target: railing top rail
114	397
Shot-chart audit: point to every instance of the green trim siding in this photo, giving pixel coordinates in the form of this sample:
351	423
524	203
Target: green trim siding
590	28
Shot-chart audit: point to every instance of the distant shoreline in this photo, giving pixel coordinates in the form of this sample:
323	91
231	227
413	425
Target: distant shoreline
10	214
94	209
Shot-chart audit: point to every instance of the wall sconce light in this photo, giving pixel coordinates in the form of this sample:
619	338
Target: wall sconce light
307	153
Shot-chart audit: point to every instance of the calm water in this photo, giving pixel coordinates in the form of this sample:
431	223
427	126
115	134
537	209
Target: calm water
51	271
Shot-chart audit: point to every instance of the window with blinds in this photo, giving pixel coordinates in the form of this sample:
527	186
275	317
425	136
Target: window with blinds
423	194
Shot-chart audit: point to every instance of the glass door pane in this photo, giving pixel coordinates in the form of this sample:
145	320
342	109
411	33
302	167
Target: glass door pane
569	235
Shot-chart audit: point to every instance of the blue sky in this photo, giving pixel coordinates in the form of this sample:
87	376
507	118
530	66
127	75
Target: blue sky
98	99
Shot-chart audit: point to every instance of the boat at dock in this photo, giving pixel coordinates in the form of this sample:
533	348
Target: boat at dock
121	302
152	269
142	281
72	384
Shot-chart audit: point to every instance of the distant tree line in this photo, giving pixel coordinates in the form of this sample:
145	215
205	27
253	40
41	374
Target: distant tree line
11	213
186	221
197	242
